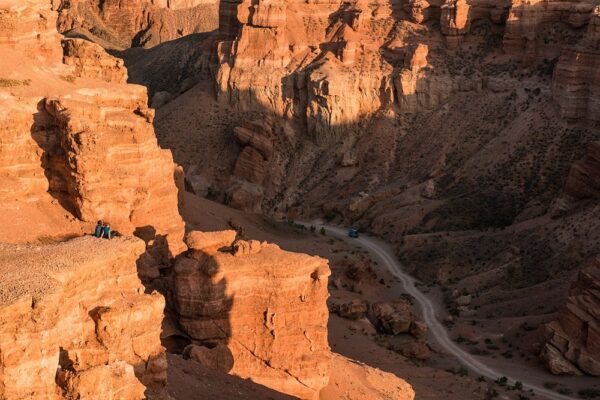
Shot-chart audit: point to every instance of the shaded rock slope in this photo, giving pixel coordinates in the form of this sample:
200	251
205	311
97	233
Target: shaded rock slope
448	128
78	145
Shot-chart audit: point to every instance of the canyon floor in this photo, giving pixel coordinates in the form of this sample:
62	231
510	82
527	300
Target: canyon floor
440	375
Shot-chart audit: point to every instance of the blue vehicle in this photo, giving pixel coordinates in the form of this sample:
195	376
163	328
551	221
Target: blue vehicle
353	233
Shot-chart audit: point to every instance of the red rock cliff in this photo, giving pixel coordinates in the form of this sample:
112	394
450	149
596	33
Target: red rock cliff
79	138
75	322
573	340
255	311
137	22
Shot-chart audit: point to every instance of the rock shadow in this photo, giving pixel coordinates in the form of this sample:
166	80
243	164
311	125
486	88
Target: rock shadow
53	159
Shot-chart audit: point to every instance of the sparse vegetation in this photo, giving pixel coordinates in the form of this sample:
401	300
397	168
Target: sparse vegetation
68	78
6	83
589	393
501	381
460	371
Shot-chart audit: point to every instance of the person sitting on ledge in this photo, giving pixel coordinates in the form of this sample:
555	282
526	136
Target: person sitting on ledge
99	229
106	231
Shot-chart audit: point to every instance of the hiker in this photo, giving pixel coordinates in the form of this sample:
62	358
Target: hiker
99	229
106	231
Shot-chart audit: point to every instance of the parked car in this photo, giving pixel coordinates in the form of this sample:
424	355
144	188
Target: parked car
353	233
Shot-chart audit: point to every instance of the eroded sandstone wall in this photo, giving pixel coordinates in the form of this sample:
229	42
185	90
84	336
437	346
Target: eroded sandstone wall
573	340
576	80
76	137
75	322
256	311
133	23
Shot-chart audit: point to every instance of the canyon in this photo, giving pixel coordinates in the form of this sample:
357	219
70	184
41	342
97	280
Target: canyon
463	133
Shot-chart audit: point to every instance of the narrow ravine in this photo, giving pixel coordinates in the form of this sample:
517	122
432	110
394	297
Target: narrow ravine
427	307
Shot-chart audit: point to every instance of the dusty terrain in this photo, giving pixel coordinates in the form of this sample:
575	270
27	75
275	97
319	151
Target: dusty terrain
459	143
359	339
462	133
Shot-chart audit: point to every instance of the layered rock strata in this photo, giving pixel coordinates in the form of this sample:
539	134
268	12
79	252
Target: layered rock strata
418	89
275	335
535	28
576	80
91	61
110	135
132	23
250	171
573	340
75	322
324	90
583	181
76	136
455	20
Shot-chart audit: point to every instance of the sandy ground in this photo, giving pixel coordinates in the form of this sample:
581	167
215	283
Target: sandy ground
188	380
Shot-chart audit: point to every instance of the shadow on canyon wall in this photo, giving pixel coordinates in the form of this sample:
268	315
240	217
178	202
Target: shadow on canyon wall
53	159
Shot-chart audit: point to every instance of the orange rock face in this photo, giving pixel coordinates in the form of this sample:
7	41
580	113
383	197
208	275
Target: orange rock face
531	27
138	22
75	322
91	61
91	129
455	20
276	336
270	61
573	341
80	138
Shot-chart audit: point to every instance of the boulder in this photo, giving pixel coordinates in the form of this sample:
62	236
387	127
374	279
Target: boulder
556	362
418	329
265	309
573	340
353	309
392	318
209	241
217	357
414	350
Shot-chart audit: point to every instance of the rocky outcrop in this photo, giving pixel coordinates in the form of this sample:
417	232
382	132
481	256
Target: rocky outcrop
582	184
352	309
109	134
92	61
583	181
536	29
419	11
397	317
90	148
75	322
133	23
251	166
576	80
418	89
455	20
573	340
258	309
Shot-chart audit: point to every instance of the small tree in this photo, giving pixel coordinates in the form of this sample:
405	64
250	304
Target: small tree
313	228
322	231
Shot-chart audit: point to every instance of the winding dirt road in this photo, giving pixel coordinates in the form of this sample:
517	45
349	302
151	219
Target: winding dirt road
438	330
